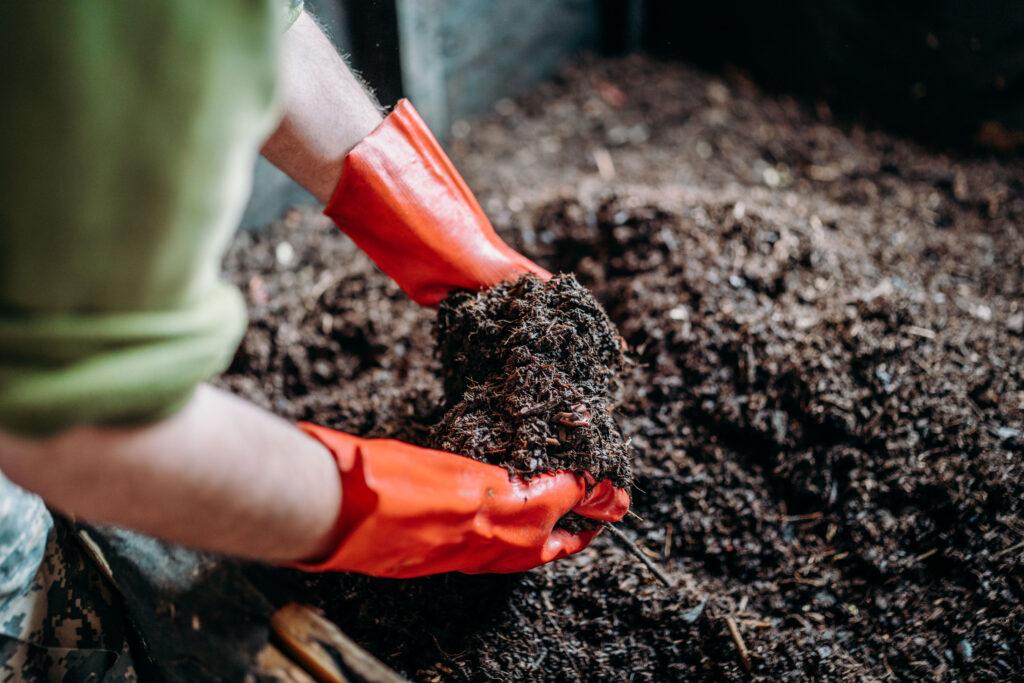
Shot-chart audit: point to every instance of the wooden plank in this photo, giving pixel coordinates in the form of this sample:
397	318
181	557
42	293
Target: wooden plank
326	652
273	664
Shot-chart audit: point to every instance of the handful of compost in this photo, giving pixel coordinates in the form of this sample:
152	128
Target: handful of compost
409	511
530	372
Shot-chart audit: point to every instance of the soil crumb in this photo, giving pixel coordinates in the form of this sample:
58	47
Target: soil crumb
530	372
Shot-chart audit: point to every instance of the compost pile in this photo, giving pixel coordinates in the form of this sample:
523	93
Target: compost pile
824	399
530	371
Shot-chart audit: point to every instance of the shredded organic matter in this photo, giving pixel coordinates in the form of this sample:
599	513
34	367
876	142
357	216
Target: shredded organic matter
530	372
825	412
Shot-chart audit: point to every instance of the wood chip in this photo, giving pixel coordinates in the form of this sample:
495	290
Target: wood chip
604	163
741	645
919	331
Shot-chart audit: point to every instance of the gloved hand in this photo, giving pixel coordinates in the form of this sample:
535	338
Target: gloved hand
408	511
403	203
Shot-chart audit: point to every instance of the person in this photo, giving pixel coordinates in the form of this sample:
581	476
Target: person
130	130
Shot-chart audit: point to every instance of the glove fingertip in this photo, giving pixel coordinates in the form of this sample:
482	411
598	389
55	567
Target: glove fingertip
605	502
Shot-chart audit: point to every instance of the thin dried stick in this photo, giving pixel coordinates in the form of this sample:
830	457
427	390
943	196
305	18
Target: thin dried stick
631	546
741	645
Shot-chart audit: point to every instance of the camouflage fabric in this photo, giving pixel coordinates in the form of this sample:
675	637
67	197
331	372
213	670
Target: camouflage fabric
58	618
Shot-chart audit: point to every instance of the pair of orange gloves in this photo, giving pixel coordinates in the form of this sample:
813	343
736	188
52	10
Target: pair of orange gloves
409	511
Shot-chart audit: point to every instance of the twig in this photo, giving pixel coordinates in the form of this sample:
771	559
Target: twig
1004	551
923	556
806	517
632	547
741	646
919	331
634	515
911	561
817	583
757	623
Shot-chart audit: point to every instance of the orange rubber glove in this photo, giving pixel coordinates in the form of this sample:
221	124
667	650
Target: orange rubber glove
408	511
401	201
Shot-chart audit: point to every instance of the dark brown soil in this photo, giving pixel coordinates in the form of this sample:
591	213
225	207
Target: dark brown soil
825	403
530	372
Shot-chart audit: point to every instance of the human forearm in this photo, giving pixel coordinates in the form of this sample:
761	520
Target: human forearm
221	475
386	182
325	110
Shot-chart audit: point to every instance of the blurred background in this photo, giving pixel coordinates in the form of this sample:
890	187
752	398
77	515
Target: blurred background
948	72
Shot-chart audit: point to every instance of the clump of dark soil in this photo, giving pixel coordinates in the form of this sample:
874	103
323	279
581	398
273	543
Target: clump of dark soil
530	373
825	403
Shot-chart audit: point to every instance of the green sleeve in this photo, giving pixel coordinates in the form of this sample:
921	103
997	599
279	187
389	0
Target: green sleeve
129	133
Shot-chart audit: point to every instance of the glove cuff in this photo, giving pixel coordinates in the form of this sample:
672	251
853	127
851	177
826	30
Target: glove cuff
357	500
401	201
